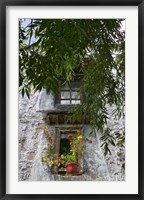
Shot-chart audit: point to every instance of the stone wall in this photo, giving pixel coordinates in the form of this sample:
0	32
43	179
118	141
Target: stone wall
30	123
31	142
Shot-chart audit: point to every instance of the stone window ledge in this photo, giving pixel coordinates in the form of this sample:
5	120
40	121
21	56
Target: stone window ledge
69	175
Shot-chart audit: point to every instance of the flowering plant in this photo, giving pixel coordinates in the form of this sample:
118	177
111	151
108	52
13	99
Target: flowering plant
67	159
77	144
77	147
48	155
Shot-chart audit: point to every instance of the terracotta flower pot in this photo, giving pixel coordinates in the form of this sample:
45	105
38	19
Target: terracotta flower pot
72	168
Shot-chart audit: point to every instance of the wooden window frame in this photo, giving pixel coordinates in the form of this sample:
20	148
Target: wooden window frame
67	128
58	97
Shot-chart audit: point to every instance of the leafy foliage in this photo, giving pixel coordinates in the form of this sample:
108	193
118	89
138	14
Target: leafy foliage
117	139
60	46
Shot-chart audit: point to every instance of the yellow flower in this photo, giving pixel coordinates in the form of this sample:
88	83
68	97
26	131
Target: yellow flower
80	138
51	163
78	132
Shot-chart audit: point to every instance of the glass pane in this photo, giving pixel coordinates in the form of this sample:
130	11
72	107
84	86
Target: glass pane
75	84
75	95
65	95
64	146
75	101
65	101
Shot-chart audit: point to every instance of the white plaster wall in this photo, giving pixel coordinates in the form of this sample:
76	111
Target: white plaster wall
31	142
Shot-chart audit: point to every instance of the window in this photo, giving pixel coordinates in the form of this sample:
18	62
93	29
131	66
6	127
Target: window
63	144
69	94
64	141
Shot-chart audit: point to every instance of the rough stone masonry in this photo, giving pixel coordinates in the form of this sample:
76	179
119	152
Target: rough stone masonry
31	142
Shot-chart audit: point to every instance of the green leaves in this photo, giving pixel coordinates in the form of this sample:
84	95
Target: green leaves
63	44
51	49
120	136
25	90
110	139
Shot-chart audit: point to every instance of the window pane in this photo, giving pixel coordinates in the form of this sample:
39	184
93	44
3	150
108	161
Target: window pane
64	146
75	102
75	84
65	95
65	101
75	95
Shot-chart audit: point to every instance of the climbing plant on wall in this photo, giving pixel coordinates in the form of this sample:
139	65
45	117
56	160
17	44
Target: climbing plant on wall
51	49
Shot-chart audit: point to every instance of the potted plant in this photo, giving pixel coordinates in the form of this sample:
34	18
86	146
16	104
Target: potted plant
77	147
69	160
70	163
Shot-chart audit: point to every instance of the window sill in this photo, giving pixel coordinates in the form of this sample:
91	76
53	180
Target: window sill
63	173
65	107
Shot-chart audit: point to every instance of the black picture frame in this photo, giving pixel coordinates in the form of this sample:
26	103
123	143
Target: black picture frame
3	5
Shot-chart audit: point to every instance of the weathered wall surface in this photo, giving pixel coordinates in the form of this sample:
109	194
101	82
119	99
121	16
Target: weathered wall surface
30	123
32	141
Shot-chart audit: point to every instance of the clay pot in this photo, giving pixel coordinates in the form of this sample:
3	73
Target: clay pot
72	168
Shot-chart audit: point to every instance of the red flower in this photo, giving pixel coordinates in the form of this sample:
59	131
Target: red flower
90	140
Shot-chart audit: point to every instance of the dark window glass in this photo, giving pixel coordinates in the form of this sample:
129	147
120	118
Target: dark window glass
70	93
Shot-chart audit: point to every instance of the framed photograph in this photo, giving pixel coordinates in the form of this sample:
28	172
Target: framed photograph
71	106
